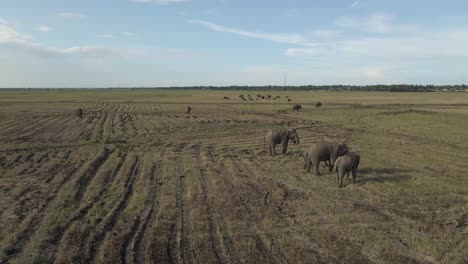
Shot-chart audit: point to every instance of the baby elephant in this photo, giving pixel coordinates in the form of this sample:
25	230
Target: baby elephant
297	107
344	165
274	137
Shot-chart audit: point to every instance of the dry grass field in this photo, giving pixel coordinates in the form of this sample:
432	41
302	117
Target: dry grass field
139	181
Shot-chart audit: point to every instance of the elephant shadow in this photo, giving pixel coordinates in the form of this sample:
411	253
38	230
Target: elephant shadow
381	175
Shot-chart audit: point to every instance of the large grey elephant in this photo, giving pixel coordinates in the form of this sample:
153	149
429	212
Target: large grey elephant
323	151
274	137
344	165
297	107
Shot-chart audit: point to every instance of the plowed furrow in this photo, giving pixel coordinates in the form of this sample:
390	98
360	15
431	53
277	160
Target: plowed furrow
25	235
37	128
151	205
111	219
237	195
183	242
221	246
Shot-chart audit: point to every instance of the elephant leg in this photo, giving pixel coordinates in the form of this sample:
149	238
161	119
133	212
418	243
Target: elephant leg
354	175
316	168
308	166
340	178
285	148
330	167
273	150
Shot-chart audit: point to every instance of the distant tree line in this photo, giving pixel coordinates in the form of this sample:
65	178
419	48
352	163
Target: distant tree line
376	88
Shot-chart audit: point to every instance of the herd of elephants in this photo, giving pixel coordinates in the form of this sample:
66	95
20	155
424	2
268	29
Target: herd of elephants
336	156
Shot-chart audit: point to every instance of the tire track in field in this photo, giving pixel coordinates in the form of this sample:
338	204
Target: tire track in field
109	175
240	199
179	237
25	125
149	212
36	129
223	246
156	244
50	244
111	220
99	129
276	251
82	212
25	235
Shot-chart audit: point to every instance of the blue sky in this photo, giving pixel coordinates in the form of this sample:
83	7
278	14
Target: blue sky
65	43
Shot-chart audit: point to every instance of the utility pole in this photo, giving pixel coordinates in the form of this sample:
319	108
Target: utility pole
284	84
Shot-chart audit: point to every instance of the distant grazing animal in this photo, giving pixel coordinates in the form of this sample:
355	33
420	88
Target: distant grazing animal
79	113
226	98
344	165
318	105
189	109
289	100
274	137
323	151
297	107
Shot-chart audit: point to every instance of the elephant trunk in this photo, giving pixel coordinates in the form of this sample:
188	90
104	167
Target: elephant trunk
297	140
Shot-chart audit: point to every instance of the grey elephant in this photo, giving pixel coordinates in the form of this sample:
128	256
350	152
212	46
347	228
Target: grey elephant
79	113
297	107
344	165
323	151
283	136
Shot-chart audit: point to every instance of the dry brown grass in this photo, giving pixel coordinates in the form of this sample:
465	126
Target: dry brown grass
139	181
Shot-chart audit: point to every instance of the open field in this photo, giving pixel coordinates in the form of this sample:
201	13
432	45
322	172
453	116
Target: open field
139	181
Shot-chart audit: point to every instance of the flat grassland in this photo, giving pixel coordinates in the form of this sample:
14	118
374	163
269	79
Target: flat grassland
139	181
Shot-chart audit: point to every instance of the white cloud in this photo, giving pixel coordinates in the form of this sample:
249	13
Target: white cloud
278	38
415	47
12	39
160	2
105	36
71	15
44	29
9	35
326	33
295	52
128	34
377	23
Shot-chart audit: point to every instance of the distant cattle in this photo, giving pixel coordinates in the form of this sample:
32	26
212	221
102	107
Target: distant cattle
189	109
318	105
226	98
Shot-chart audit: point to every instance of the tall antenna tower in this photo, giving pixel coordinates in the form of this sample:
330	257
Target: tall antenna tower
285	79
